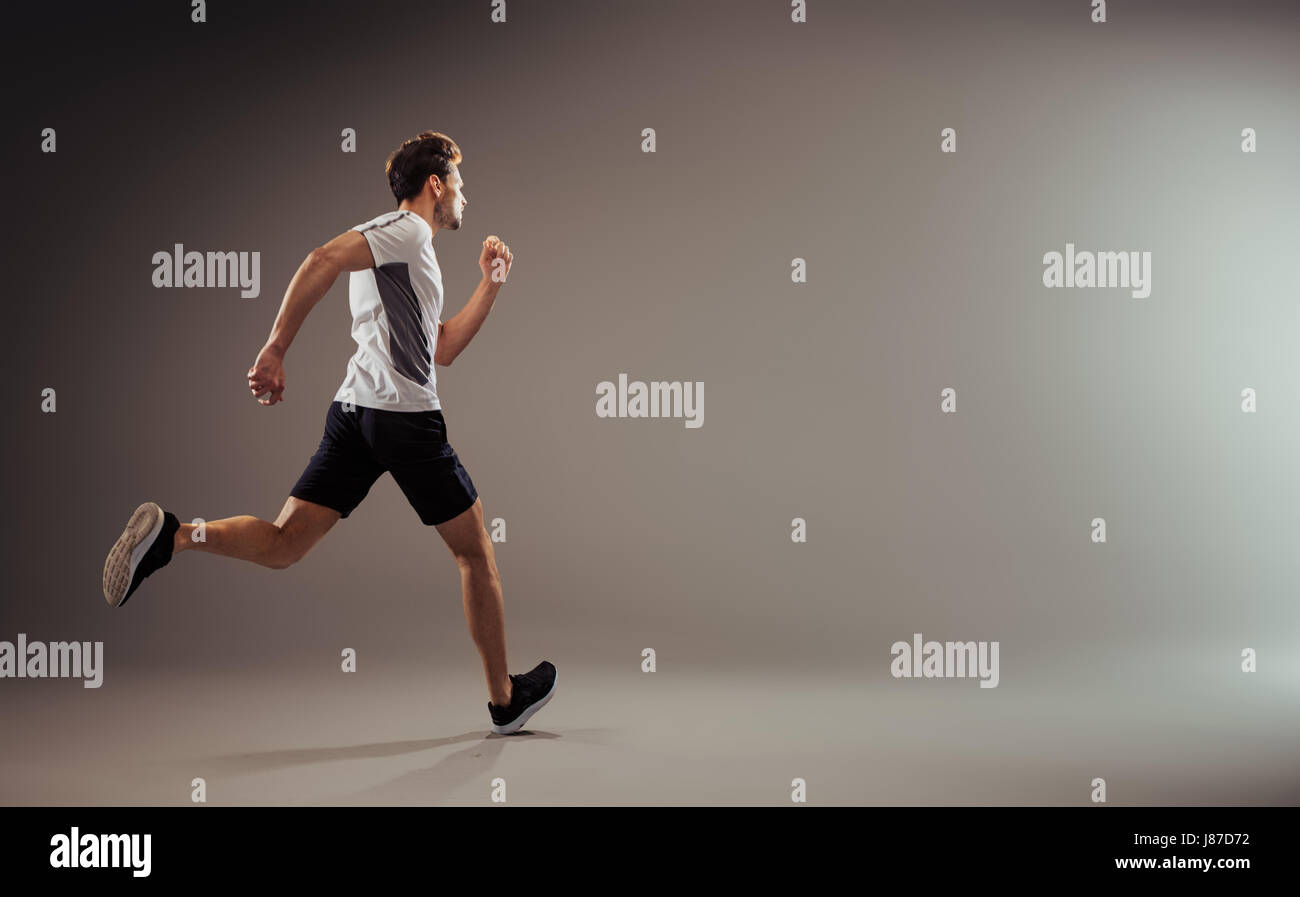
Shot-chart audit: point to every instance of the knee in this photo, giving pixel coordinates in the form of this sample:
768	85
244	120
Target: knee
477	557
281	561
286	552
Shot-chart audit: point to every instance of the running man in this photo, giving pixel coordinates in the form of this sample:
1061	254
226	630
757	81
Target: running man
386	415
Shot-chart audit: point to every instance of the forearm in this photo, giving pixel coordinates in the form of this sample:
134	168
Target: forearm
458	331
310	283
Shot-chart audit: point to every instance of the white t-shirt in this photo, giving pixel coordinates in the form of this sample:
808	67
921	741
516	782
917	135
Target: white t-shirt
396	308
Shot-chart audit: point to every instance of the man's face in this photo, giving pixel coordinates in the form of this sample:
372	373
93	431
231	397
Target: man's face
451	206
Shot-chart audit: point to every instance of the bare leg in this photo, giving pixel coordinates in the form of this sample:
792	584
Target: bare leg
299	527
485	609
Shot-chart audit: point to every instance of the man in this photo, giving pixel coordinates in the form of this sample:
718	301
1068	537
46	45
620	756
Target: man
386	415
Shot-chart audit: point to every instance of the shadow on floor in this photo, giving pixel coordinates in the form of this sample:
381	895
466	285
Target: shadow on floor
432	785
264	761
429	785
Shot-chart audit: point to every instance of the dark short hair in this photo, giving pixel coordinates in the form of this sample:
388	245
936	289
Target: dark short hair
409	167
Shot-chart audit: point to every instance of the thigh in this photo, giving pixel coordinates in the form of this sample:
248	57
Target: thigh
305	523
341	472
439	488
413	447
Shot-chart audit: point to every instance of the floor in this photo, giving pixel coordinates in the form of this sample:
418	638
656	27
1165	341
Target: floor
420	736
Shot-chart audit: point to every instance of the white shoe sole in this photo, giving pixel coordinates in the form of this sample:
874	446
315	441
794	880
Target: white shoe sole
125	555
511	728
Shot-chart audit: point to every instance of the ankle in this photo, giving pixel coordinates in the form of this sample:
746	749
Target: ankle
509	696
181	538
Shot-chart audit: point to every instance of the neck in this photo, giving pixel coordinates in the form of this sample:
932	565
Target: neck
422	207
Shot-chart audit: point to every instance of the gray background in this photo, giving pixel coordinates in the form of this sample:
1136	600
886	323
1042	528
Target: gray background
775	140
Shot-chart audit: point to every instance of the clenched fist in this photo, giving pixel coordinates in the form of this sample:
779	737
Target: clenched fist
267	376
495	259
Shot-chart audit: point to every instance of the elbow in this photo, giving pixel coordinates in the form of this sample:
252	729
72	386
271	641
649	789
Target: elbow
442	354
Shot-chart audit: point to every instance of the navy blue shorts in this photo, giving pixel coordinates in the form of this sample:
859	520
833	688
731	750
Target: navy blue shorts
359	445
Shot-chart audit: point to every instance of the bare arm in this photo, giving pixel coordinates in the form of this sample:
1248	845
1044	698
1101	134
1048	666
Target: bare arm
349	251
454	335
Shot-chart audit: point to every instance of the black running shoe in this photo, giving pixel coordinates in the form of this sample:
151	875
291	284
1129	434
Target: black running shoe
531	692
144	546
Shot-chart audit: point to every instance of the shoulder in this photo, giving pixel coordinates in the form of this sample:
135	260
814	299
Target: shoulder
399	235
396	220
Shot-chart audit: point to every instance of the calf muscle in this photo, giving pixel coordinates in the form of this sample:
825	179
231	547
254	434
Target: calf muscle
277	545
